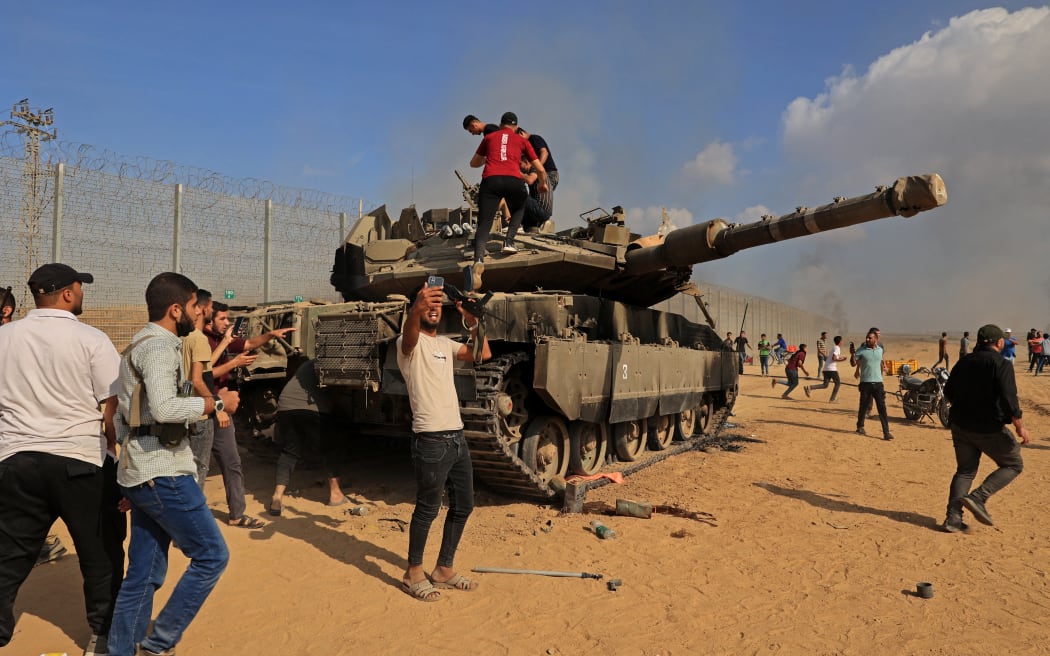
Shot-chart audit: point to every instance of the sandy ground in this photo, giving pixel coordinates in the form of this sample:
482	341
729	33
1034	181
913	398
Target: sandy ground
819	539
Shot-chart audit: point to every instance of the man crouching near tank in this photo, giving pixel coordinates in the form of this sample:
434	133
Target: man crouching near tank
440	455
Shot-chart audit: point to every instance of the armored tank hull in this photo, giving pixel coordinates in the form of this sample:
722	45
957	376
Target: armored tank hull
585	376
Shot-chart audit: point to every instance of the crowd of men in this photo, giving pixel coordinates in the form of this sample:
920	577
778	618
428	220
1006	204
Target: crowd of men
981	388
90	436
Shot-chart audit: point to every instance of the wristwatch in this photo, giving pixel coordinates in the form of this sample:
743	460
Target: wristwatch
219	405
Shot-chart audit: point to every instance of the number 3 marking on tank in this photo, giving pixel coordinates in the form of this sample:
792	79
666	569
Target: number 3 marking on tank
625	372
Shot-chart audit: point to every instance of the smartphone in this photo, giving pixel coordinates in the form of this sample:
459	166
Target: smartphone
435	281
238	325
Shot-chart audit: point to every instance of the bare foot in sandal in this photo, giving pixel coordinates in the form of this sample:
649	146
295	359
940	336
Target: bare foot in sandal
244	521
416	584
446	578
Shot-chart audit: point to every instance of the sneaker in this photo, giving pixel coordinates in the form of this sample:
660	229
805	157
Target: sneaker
476	271
145	652
955	525
861	431
978	510
805	389
53	550
98	645
888	436
509	248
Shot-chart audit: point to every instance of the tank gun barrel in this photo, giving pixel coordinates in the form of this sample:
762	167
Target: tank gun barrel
716	239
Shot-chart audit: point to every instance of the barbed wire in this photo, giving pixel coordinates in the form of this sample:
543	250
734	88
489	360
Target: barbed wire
91	158
119	216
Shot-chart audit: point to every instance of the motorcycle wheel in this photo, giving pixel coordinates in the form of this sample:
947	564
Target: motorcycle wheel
942	412
911	406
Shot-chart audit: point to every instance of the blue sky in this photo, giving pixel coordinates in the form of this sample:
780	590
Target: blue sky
708	109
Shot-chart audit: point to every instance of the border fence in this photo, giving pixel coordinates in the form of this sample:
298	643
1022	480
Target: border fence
727	308
125	220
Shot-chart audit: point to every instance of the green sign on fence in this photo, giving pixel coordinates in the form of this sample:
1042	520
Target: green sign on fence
228	294
298	298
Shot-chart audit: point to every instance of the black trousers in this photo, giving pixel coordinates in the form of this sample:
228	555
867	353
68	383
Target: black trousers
492	189
299	431
441	461
873	392
35	490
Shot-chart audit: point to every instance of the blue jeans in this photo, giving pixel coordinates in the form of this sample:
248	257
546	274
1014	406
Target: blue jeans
165	509
791	381
440	460
764	359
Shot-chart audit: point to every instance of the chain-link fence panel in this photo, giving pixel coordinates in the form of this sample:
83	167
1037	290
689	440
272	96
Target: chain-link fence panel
126	220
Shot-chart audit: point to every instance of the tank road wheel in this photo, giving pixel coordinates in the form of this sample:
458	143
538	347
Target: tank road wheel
910	402
942	411
517	392
629	439
685	424
588	443
704	412
545	446
661	432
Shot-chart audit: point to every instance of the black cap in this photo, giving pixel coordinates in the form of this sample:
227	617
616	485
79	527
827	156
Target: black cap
470	118
52	277
508	118
989	334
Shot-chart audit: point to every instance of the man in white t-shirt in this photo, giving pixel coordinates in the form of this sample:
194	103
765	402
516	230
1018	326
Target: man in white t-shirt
440	455
57	447
830	371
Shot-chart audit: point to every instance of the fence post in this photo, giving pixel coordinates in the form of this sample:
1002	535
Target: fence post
176	241
342	227
268	212
56	224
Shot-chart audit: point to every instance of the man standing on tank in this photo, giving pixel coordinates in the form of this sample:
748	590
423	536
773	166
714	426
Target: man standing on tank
501	179
983	394
440	455
543	153
473	125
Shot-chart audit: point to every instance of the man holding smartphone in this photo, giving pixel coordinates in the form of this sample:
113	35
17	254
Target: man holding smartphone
440	454
224	443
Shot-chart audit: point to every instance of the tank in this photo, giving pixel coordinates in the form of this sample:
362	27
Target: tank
585	376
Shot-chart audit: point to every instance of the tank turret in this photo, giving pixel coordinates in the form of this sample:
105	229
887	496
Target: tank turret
381	257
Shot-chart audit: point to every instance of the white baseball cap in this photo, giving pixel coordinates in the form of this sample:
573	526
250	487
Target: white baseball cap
1007	330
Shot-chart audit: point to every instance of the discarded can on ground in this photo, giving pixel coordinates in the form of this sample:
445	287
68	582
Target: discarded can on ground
628	508
613	584
924	590
603	531
360	511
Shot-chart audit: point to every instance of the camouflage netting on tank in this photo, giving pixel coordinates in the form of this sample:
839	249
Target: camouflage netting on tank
117	221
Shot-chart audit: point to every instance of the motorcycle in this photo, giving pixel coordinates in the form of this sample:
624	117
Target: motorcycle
923	397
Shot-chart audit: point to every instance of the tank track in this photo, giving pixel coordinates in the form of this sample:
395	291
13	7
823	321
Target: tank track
493	454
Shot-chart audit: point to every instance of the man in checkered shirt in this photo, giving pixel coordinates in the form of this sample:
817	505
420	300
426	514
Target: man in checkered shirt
159	481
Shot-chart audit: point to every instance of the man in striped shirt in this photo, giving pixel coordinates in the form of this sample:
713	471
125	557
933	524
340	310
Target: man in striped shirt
158	477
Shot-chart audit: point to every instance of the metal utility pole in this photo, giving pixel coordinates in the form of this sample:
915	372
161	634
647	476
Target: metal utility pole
33	125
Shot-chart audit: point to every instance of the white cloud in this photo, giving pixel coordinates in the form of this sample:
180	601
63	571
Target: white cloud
967	101
753	213
715	163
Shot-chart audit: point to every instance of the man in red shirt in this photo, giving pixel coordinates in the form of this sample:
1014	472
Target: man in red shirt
791	371
224	445
500	153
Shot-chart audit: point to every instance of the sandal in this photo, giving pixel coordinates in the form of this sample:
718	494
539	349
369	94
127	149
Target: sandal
275	508
246	522
423	590
457	582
